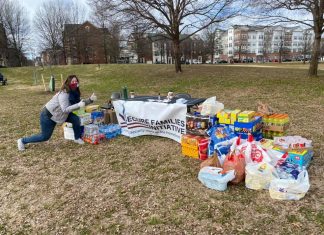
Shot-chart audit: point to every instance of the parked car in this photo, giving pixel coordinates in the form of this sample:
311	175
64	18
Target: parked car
249	60
222	62
286	60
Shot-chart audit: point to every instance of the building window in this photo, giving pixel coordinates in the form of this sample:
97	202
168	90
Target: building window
87	28
254	37
260	36
230	45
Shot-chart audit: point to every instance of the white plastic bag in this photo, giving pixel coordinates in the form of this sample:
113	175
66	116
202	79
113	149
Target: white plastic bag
259	175
211	106
212	177
253	152
290	189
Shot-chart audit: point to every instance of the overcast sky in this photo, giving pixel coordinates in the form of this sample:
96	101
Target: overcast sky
32	5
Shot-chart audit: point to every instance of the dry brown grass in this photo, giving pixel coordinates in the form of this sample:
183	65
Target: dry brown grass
144	185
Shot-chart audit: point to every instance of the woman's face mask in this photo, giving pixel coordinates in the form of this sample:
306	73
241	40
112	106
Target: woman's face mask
74	84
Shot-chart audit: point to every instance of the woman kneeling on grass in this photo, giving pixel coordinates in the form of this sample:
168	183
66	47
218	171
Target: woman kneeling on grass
59	110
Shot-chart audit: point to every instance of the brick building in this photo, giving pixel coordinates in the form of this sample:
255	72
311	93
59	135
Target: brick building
9	56
85	44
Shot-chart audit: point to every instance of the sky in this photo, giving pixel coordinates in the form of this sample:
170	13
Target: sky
31	7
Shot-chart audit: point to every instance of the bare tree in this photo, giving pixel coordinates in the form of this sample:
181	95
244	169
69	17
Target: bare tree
139	41
322	49
212	41
15	22
174	17
113	41
50	20
104	15
285	38
305	12
101	17
307	44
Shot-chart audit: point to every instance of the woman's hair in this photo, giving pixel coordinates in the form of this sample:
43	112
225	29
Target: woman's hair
67	82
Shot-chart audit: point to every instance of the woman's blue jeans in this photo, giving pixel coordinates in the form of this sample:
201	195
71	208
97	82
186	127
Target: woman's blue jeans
47	127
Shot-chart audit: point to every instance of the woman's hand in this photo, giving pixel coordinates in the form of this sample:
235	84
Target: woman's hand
81	104
93	97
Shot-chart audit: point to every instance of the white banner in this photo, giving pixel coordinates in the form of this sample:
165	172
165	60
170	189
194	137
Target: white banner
138	118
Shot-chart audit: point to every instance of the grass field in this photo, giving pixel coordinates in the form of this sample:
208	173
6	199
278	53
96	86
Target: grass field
144	185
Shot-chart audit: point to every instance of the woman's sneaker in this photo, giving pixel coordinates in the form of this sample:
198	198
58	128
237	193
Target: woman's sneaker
79	141
21	146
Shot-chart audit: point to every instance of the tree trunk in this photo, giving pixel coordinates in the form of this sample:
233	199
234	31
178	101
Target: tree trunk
312	72
177	56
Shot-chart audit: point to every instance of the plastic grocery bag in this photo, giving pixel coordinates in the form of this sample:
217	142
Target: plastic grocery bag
221	139
211	106
253	152
259	175
213	178
235	162
212	161
290	189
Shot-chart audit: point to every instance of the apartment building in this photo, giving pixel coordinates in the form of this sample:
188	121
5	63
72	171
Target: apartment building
259	43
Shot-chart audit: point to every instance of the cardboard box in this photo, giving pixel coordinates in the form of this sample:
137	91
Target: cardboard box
276	128
194	146
301	157
228	116
245	116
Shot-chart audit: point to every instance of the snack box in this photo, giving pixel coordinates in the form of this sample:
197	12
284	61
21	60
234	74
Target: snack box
300	157
228	116
234	115
194	146
255	125
245	116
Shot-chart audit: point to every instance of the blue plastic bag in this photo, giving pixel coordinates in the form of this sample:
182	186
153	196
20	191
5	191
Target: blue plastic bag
219	136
